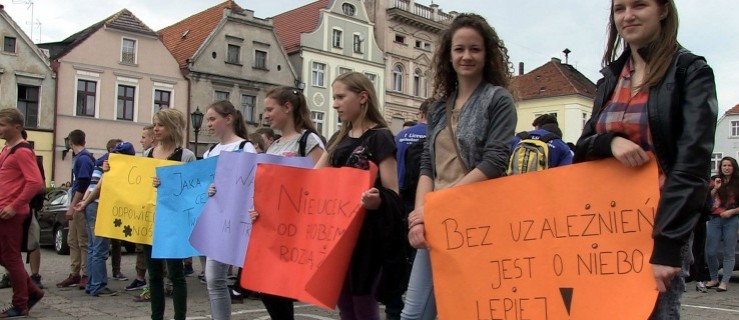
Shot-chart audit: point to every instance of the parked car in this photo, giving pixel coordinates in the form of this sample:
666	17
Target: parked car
54	225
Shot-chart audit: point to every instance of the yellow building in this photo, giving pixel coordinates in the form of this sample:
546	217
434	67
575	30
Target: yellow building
558	89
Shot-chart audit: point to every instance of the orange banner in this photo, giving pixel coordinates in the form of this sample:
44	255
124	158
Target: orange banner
309	221
567	243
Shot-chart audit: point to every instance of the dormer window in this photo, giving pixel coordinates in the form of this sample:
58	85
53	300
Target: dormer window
348	9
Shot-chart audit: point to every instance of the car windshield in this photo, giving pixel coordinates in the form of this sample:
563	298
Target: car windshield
59	199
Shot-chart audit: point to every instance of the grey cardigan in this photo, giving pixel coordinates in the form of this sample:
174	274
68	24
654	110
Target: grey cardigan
484	132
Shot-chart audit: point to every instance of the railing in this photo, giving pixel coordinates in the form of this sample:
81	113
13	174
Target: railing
402	4
421	10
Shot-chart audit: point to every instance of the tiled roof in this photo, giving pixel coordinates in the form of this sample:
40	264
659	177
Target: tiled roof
121	20
289	25
184	38
553	79
734	110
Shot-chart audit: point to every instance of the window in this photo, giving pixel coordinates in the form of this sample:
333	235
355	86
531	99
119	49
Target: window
344	70
86	92
128	51
317	118
735	128
162	99
260	59
126	101
220	95
319	72
417	83
28	105
398	78
9	44
372	78
348	9
247	107
357	43
337	38
715	160
232	56
399	38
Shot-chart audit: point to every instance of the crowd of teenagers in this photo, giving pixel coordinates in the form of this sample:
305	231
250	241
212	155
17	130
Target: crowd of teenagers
655	96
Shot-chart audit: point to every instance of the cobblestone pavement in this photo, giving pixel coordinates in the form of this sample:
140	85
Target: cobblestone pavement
70	303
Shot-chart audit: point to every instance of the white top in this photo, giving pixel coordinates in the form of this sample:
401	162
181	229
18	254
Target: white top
234	146
290	147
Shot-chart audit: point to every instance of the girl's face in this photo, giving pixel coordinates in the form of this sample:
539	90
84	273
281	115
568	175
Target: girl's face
218	125
638	21
275	114
347	103
727	169
161	132
468	53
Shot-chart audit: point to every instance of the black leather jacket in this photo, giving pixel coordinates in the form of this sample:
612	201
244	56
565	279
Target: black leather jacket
682	121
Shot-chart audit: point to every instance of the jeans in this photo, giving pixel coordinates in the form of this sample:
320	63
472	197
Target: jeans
420	303
97	253
176	274
668	302
220	299
721	228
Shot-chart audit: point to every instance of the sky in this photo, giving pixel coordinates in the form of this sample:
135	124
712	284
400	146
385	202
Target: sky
534	31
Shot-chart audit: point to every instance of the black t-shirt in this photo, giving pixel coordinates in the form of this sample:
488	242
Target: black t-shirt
374	145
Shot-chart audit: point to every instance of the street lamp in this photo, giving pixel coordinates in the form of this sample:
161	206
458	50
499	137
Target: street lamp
197	121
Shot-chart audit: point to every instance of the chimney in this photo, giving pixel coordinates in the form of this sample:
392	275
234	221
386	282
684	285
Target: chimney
557	60
520	68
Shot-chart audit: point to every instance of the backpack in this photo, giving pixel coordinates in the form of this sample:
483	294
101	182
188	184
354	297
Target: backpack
530	154
303	143
412	170
37	203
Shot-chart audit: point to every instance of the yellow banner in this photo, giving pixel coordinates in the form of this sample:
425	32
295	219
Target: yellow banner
128	199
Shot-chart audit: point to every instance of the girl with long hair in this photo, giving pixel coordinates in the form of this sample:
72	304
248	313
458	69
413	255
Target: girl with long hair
286	110
169	126
470	130
656	96
723	223
364	137
226	124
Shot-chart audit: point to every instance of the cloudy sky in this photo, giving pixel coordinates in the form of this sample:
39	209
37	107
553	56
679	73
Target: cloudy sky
534	30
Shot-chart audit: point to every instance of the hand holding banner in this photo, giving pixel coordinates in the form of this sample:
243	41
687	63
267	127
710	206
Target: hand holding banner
308	224
564	243
127	199
180	199
226	215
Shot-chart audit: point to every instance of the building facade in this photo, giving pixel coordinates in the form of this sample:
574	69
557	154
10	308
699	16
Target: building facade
112	77
408	32
227	53
28	83
727	138
323	40
558	89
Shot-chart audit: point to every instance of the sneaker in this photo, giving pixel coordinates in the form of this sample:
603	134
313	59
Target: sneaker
201	277
5	282
120	277
236	297
83	283
136	284
106	292
145	296
189	271
33	299
13	312
36	278
71	281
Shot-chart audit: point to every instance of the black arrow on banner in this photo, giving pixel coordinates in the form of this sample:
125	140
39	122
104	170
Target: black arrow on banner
567	297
